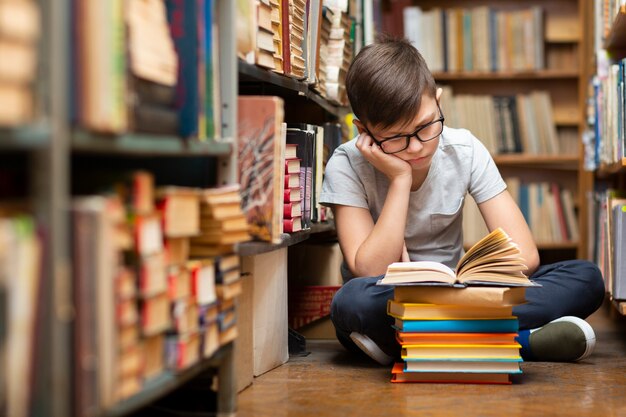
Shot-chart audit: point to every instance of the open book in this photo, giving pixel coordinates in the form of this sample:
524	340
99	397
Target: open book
494	260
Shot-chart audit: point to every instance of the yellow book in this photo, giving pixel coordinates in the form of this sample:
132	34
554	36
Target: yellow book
413	311
487	351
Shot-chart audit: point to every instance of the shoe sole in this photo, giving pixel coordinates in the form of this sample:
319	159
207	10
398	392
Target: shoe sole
590	336
380	357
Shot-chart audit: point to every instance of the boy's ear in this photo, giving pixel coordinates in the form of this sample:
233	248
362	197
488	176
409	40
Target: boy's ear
438	95
359	125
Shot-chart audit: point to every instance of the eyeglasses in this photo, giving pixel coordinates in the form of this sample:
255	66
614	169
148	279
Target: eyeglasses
423	133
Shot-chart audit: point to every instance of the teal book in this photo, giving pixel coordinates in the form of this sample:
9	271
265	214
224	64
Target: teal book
508	325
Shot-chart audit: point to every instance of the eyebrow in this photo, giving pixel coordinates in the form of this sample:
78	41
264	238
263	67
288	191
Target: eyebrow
416	128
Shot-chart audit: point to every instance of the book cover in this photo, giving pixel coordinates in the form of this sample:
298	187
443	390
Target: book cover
468	296
508	325
483	351
261	164
412	311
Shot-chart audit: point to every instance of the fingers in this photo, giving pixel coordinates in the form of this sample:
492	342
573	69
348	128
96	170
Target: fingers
364	141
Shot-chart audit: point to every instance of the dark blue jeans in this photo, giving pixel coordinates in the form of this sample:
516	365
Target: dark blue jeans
569	288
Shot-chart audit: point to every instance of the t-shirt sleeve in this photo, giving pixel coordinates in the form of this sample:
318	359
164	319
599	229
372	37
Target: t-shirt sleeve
486	181
342	185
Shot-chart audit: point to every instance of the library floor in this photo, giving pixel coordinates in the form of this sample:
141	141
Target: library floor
329	382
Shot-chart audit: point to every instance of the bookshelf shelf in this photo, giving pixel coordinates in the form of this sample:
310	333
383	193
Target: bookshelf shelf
620	306
249	73
146	145
557	245
164	384
554	161
24	138
616	39
287	239
506	75
608	170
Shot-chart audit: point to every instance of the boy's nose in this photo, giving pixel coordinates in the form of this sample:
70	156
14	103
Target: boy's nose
415	145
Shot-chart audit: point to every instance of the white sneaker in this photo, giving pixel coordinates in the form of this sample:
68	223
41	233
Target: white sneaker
566	339
372	350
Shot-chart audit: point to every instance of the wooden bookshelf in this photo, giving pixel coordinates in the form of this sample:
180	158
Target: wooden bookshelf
168	381
273	83
616	39
557	245
566	162
506	75
287	239
620	306
27	137
610	170
147	145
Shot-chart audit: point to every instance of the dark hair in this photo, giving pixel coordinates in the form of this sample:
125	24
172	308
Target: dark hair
386	81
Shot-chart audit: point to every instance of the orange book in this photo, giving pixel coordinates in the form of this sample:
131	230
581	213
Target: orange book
416	338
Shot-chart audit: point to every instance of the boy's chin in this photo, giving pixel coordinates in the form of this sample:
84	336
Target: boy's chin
419	163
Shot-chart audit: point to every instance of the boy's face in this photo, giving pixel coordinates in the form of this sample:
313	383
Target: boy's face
415	141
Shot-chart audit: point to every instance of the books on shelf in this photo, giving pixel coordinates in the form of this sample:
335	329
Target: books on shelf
19	62
548	208
477	39
180	210
20	301
494	260
522	123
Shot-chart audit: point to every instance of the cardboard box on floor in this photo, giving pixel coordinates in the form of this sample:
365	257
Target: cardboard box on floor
311	266
262	344
315	264
319	329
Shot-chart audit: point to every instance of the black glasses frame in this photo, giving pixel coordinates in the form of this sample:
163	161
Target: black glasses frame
408	137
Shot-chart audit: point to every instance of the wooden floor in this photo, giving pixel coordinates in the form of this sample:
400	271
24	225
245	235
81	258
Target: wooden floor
329	382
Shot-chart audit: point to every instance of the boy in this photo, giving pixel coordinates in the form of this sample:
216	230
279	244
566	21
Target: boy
397	193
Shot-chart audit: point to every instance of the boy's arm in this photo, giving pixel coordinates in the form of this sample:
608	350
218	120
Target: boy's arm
369	248
502	211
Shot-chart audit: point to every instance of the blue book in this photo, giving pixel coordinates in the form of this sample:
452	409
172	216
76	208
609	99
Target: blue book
508	325
182	19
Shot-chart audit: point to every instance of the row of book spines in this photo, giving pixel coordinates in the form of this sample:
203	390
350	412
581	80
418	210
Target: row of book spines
193	113
610	115
478	39
606	245
293	51
195	332
523	123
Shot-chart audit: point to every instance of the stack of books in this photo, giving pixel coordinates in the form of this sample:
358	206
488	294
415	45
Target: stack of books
459	328
265	46
292	202
222	222
338	55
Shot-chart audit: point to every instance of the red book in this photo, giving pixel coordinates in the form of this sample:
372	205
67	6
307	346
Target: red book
292	195
286	41
292	180
291	210
292	166
291	150
292	225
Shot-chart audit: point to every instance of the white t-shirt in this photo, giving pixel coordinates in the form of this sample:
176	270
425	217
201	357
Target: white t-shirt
461	164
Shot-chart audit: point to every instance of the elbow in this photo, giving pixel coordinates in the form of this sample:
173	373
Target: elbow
532	261
362	270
